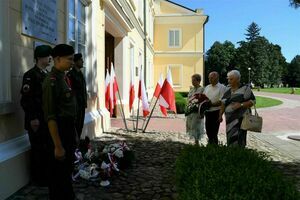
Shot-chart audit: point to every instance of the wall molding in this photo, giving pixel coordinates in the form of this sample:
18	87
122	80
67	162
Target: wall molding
14	147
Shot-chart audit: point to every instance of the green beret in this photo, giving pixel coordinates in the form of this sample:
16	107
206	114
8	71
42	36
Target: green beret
42	51
77	56
62	50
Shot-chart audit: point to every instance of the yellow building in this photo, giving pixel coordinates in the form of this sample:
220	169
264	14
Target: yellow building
178	42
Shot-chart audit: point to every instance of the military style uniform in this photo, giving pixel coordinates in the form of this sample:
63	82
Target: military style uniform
60	105
31	102
78	85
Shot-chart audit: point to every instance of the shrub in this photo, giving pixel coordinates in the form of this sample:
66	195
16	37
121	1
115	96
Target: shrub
180	103
184	94
222	173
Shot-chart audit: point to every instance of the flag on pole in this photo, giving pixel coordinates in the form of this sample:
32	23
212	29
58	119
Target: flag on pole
167	96
142	94
131	90
158	86
107	89
113	88
157	93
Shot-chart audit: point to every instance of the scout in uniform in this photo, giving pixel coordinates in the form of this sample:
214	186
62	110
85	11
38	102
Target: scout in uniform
31	102
59	105
78	85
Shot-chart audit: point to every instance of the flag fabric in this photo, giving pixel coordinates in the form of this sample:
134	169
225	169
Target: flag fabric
158	86
167	96
131	89
113	88
142	94
107	90
157	93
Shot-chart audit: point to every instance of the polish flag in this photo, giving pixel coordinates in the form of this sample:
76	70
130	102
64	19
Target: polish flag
142	94
157	93
158	86
113	88
131	90
107	89
167	96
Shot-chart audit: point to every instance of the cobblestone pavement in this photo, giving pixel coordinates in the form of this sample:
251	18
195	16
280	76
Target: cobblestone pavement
152	174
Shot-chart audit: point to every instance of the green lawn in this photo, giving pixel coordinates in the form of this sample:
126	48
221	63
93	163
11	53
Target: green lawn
263	102
281	90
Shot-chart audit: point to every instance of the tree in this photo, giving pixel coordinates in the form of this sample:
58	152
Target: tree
293	77
295	3
219	59
253	32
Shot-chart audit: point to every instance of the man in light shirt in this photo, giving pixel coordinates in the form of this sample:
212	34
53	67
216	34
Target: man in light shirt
214	91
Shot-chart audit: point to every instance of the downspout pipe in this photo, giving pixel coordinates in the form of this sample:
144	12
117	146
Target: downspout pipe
145	46
204	53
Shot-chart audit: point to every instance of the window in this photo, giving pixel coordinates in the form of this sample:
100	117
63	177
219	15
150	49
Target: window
77	26
131	51
175	38
176	71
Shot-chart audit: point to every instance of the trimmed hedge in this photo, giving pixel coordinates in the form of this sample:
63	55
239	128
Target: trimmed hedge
223	173
180	103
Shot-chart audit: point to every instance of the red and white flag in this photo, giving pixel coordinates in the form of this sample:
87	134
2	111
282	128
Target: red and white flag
131	89
159	84
113	88
157	93
107	89
167	96
142	94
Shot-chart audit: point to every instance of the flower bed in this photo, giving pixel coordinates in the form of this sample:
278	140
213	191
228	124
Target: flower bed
214	172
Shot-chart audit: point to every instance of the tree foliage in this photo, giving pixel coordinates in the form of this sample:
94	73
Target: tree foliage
220	57
258	60
293	72
295	3
253	32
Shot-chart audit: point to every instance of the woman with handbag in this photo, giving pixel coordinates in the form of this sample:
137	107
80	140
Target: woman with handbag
194	122
236	101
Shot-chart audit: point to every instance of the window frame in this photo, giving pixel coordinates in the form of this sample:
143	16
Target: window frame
179	38
169	67
77	22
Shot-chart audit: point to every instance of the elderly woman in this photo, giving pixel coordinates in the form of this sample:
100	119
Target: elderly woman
194	123
235	102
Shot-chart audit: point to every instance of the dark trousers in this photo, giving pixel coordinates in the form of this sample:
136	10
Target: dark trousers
38	155
80	121
60	181
212	125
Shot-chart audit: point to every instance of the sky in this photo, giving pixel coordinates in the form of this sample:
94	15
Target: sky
229	19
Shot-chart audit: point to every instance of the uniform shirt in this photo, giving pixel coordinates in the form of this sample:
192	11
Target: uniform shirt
31	94
78	85
58	98
215	94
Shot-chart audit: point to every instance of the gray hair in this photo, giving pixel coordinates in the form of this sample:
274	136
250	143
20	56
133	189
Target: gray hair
235	73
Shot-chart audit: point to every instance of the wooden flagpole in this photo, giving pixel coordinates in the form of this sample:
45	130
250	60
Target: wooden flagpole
122	111
144	129
137	116
147	116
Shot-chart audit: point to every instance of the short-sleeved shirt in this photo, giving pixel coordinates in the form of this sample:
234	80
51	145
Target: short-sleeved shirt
58	98
215	94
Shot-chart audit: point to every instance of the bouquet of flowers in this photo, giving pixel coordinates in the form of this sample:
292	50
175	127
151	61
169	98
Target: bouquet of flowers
194	102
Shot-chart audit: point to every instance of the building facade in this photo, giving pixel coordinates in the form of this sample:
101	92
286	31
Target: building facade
126	33
178	43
